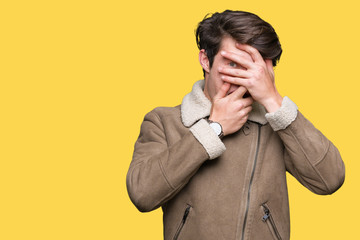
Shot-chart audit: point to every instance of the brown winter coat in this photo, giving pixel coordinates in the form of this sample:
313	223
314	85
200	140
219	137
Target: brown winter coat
233	188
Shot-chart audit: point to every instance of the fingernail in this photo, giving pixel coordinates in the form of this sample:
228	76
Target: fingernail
220	68
223	52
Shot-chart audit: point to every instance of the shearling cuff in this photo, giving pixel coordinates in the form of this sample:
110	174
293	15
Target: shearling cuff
208	138
285	115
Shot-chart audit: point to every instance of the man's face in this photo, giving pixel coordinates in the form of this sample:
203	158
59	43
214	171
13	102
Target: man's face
213	80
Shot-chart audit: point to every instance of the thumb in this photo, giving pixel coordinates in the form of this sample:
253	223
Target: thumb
223	90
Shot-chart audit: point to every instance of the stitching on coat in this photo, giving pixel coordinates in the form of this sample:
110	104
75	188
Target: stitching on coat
163	129
324	155
241	212
167	146
307	158
304	182
164	174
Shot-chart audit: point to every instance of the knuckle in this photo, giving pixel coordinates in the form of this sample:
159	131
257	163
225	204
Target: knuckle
248	57
242	114
261	70
250	50
239	116
229	54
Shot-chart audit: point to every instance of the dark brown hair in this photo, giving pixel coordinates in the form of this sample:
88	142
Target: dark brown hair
244	27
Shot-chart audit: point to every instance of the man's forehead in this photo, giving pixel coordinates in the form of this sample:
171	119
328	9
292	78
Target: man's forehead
228	44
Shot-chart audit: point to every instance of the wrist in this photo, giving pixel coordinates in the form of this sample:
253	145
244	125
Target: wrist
273	104
220	121
217	127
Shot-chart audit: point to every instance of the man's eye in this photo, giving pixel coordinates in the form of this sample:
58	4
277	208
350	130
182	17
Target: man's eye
232	64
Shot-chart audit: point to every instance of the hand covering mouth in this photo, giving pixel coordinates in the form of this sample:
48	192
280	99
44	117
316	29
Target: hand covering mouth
247	94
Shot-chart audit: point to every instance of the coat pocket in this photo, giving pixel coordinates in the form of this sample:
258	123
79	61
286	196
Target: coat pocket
268	218
182	223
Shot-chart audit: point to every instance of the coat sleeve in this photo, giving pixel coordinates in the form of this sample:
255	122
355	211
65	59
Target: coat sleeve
159	171
309	156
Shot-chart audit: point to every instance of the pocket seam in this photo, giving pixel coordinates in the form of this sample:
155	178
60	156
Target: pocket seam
183	221
272	223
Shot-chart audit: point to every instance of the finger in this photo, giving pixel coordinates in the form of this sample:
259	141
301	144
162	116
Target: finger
235	80
247	102
244	103
242	54
238	93
234	72
254	53
243	114
245	111
223	91
237	59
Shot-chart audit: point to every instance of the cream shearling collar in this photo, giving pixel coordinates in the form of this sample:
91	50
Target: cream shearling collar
195	105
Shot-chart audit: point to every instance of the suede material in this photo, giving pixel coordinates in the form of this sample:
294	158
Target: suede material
311	158
170	168
160	166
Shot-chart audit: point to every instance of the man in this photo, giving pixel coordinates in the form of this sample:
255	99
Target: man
217	163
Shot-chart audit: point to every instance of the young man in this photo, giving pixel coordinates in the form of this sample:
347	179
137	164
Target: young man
217	163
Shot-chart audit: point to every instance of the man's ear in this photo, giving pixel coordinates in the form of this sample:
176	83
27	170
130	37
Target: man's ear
204	61
270	67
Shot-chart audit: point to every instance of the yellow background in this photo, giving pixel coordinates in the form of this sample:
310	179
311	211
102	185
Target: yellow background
77	78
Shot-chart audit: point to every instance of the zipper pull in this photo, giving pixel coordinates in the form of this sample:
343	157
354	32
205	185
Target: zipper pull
267	213
186	214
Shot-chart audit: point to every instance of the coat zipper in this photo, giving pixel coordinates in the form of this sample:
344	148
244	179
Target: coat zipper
250	183
268	217
186	213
